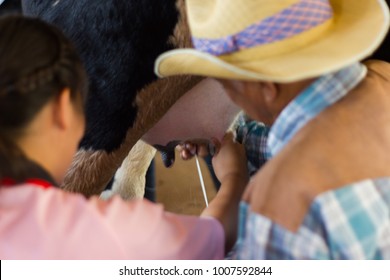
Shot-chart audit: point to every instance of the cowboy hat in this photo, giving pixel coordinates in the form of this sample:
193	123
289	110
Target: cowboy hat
280	41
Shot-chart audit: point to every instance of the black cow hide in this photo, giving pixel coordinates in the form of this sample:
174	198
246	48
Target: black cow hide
118	41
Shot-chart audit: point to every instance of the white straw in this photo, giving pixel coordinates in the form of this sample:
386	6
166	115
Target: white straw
201	181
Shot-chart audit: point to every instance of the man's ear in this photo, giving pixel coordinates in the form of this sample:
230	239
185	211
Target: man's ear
270	92
62	109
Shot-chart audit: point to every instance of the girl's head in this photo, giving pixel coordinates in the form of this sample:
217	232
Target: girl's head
43	88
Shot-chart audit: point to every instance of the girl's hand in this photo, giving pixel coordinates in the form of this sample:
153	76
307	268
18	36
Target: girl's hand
230	166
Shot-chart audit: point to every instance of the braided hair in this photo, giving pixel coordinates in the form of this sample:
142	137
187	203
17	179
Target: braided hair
37	62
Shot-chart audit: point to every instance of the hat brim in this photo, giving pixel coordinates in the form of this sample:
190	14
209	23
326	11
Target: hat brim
352	37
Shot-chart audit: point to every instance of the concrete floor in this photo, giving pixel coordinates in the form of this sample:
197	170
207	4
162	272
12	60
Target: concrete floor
178	188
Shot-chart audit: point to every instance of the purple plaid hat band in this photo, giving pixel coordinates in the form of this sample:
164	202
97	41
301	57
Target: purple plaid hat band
294	20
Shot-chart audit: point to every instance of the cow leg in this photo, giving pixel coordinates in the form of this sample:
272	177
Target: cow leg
129	180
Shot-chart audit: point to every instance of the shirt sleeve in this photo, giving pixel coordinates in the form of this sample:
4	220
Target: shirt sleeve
144	230
253	135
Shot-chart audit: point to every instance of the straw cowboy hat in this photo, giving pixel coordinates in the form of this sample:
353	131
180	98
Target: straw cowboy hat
276	40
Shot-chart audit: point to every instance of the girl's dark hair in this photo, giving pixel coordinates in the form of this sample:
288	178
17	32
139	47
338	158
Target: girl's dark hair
11	6
36	63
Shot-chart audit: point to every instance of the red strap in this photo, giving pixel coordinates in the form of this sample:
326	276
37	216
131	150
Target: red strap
8	182
40	183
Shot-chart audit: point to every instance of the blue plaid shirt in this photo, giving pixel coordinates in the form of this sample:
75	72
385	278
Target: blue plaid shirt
253	135
351	222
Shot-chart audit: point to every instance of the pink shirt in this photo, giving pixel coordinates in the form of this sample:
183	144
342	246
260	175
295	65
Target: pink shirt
38	223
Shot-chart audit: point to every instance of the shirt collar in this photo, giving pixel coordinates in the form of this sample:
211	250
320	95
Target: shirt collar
29	172
322	93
